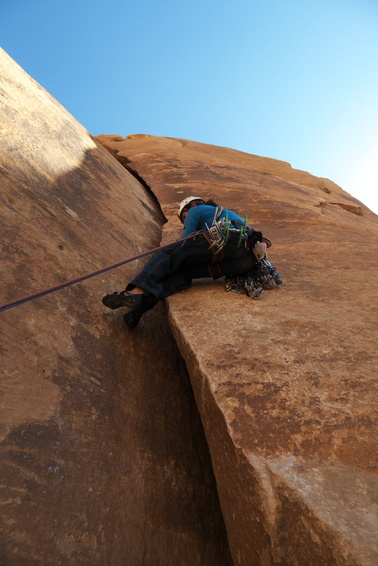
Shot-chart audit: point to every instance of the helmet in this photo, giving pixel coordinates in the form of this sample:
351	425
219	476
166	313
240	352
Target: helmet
186	202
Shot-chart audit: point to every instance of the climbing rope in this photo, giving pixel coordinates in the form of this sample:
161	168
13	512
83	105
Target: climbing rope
44	292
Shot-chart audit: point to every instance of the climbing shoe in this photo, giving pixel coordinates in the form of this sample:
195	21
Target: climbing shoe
123	299
133	317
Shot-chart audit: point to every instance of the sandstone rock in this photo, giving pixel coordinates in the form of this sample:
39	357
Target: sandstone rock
286	385
103	457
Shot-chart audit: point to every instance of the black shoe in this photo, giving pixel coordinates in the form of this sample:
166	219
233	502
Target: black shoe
123	299
132	317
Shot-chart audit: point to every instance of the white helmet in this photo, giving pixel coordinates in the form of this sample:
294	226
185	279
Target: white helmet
184	203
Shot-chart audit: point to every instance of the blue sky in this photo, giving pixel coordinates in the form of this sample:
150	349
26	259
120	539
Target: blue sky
295	80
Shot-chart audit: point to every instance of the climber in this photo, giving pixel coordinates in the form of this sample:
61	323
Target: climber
225	245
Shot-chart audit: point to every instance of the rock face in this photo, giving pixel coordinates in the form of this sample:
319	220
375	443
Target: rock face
103	456
286	385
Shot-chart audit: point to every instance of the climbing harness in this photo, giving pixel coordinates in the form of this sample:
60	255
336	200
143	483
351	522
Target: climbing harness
216	231
221	230
262	277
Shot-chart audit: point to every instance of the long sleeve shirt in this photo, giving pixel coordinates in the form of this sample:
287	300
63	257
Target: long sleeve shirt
200	217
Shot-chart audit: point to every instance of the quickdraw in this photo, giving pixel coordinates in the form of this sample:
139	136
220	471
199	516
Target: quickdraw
263	277
220	231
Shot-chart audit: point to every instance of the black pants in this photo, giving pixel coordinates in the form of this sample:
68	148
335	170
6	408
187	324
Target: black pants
174	267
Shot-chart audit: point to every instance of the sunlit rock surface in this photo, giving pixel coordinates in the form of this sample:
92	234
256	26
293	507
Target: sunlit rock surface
103	456
286	385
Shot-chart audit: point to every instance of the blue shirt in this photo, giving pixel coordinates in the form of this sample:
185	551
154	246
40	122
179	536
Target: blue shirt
200	216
